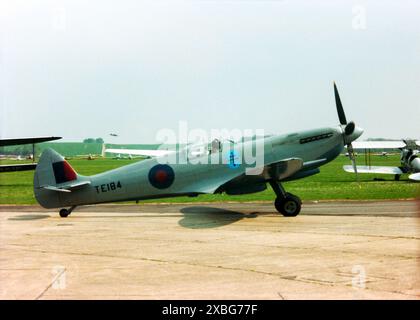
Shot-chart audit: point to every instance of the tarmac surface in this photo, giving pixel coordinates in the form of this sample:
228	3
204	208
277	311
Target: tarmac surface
332	250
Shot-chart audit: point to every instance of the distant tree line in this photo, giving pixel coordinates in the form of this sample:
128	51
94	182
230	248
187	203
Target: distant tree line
93	140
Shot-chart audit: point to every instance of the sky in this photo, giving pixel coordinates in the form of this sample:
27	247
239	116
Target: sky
80	69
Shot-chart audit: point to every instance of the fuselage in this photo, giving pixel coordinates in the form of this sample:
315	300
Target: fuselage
200	174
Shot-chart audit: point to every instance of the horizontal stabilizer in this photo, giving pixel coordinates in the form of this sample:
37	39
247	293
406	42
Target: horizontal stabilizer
374	169
414	176
52	188
67	187
76	185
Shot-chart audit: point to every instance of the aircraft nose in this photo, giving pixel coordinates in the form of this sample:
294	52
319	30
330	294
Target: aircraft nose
415	164
356	133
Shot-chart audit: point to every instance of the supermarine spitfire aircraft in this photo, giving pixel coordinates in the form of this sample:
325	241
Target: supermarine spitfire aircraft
410	161
286	157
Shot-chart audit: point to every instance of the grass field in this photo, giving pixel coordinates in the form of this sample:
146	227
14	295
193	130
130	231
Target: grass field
331	183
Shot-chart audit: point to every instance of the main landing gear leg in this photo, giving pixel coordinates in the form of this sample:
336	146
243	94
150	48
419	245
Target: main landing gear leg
65	212
286	203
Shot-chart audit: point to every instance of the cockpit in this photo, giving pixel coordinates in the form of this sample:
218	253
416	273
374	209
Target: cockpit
213	147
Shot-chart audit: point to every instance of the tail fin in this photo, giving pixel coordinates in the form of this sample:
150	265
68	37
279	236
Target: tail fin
53	169
53	173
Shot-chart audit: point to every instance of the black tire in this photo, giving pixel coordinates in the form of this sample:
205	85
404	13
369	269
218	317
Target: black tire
64	213
397	177
288	206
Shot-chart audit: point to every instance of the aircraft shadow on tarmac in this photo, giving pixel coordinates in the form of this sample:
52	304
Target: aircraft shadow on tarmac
29	217
198	217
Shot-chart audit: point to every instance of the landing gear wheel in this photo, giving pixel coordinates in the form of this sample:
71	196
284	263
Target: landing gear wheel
64	213
288	206
397	177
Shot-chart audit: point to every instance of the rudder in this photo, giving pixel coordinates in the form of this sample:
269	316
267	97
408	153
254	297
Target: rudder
52	170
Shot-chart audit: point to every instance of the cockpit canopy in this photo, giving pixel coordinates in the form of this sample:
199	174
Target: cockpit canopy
213	147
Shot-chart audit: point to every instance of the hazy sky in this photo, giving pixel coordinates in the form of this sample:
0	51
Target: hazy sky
82	69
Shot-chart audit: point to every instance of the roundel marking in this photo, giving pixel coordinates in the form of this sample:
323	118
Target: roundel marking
161	176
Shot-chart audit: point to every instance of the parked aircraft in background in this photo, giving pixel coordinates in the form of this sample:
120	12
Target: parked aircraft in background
137	152
410	161
20	141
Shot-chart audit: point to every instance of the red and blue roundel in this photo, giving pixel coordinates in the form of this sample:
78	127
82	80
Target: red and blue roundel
161	176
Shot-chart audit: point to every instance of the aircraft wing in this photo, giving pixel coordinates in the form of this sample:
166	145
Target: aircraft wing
137	152
414	176
18	141
279	170
374	169
282	169
241	180
378	144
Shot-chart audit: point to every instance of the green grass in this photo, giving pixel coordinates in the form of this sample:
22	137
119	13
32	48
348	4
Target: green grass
331	183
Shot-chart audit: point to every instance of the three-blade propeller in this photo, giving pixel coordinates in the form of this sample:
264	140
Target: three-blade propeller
348	129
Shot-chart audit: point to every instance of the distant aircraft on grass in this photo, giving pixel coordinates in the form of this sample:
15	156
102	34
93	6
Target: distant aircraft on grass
20	141
410	161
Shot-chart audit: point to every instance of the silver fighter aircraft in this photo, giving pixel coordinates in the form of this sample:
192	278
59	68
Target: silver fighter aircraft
410	161
286	157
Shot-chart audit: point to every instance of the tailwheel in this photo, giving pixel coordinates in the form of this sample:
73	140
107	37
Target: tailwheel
64	213
289	205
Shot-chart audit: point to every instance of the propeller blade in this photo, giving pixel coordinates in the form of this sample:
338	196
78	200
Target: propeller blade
340	110
353	161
